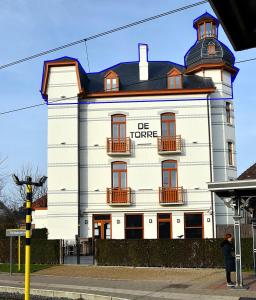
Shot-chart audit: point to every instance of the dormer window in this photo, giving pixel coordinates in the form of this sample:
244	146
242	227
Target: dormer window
211	49
111	82
174	79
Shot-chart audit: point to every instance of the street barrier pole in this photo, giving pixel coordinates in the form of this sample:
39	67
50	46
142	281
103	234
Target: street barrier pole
28	237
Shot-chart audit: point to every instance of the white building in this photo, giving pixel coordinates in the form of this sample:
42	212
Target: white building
131	148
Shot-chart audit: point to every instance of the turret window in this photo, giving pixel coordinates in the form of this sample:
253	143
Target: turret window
206	29
174	79
111	82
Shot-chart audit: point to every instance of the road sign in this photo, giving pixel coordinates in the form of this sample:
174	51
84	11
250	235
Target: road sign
15	232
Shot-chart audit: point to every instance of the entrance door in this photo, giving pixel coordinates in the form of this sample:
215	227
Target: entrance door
164	226
102	227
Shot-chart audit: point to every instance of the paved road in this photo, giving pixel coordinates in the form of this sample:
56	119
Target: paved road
175	284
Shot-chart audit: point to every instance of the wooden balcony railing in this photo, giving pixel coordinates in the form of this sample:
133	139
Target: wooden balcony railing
122	145
171	195
119	196
169	143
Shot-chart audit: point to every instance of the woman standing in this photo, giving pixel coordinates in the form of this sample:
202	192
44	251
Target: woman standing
229	257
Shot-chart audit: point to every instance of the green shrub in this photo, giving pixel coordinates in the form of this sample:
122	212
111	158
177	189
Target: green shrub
182	253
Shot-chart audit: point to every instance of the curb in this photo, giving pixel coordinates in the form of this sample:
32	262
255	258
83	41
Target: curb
58	294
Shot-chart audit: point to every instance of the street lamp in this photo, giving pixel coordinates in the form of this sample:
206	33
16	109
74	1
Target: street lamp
29	183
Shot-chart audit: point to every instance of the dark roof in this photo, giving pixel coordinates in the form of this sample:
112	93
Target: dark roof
40	202
250	173
128	74
237	18
205	16
198	53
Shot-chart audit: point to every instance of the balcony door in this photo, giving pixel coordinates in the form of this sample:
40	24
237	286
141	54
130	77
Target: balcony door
169	174
102	227
119	175
168	131
118	134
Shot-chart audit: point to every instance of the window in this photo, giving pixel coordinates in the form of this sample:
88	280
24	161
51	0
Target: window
206	29
119	175
118	127
230	154
111	82
174	79
134	226
168	128
193	223
228	112
164	226
169	174
211	49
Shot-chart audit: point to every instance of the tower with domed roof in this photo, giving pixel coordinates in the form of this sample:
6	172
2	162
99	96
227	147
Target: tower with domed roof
208	52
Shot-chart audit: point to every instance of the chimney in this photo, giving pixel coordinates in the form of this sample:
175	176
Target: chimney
143	61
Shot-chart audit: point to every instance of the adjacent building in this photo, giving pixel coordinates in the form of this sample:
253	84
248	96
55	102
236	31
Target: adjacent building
131	148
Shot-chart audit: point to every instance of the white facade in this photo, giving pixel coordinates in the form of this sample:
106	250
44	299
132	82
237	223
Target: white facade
79	167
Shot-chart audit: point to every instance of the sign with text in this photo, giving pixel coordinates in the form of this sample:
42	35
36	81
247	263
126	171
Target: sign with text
15	232
143	131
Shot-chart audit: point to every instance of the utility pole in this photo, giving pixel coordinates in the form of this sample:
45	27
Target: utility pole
28	182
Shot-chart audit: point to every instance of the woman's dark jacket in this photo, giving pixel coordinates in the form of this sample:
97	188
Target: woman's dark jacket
229	257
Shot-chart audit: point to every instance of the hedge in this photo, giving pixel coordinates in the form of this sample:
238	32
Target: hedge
42	251
182	253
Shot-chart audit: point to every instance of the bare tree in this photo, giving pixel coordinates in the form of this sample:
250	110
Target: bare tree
20	191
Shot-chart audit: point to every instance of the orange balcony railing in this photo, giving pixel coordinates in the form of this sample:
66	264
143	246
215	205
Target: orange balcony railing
169	143
119	196
122	145
171	195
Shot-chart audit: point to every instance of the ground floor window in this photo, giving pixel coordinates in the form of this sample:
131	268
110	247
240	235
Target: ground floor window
102	227
134	226
164	226
193	223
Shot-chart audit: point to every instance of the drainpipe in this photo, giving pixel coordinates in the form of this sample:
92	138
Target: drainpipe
210	163
78	187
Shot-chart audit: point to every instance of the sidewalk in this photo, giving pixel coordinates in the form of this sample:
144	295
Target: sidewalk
136	283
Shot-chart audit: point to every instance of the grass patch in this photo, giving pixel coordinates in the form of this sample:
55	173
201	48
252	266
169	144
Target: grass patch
33	268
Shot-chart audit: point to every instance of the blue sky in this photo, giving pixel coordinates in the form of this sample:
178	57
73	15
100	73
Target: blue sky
28	27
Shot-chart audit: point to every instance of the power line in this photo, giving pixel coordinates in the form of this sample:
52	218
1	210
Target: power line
246	60
92	37
87	55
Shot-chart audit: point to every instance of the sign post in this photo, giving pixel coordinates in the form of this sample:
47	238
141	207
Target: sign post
12	233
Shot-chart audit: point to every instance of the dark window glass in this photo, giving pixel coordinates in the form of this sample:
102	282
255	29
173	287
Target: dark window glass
164	230
133	221
201	30
133	233
194	233
102	217
193	220
164	216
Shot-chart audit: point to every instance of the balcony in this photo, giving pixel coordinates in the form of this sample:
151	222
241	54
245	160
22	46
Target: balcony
118	196
120	146
169	144
169	196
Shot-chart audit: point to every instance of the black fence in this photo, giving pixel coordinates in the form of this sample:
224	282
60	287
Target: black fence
185	253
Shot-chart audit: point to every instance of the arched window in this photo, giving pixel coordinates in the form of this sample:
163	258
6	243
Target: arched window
174	79
111	82
119	175
169	174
